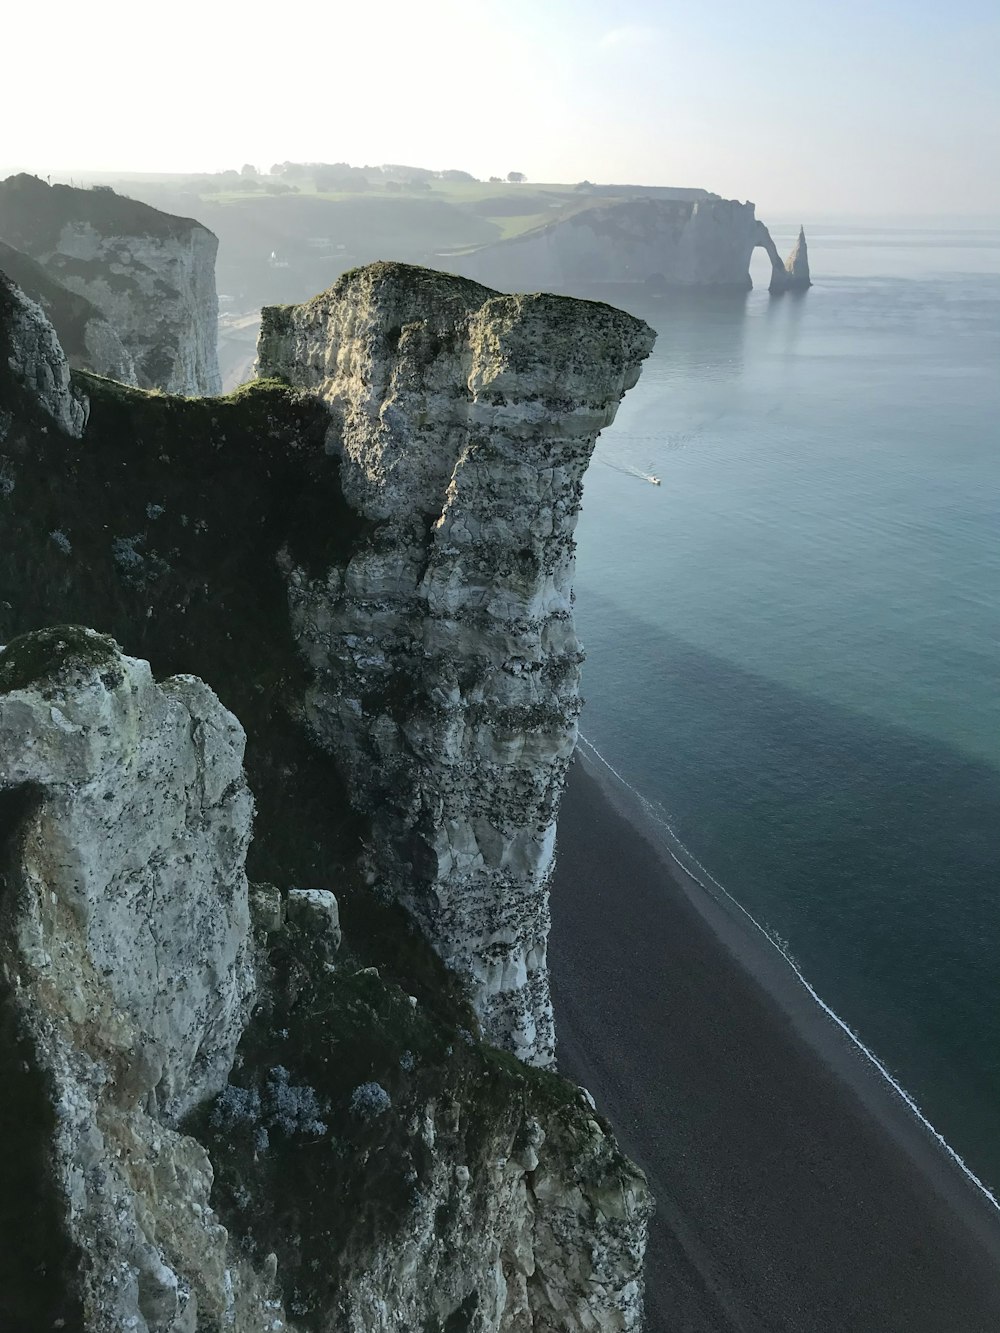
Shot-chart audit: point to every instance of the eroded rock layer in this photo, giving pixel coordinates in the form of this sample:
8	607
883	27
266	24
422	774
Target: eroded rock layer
446	664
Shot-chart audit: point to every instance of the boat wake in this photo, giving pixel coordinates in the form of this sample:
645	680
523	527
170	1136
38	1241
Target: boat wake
693	868
628	470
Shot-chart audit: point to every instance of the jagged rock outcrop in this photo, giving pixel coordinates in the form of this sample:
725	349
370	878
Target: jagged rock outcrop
446	665
89	341
657	242
35	362
377	1167
124	956
791	275
151	275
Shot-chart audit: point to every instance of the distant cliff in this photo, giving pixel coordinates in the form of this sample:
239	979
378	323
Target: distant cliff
650	240
151	275
658	242
241	1087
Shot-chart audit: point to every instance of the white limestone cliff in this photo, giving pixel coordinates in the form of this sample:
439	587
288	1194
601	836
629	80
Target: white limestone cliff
659	243
157	292
446	664
150	274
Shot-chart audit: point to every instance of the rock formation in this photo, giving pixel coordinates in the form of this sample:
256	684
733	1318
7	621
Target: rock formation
797	263
446	663
35	364
151	275
125	955
370	562
791	275
660	243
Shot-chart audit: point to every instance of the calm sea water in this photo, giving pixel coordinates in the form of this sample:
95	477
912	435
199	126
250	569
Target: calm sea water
793	641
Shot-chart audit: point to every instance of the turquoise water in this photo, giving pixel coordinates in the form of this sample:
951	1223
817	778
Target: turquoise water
793	641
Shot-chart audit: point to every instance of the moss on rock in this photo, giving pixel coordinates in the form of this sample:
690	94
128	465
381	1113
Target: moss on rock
56	653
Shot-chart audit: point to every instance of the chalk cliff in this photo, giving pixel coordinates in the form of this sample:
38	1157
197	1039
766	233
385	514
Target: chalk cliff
273	1105
446	663
151	275
658	242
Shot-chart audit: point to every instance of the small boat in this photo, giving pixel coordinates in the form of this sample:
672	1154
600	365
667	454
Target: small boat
655	480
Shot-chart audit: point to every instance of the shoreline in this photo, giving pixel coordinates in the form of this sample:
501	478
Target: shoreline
791	1125
757	952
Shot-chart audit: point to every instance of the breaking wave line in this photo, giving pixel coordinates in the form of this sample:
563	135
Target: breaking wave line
779	948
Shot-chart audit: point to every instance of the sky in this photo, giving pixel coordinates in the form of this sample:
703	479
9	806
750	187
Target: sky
884	107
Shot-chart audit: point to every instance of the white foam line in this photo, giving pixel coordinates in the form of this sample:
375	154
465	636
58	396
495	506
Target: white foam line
869	1055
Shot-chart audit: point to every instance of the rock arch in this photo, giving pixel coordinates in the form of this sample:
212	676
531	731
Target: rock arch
793	273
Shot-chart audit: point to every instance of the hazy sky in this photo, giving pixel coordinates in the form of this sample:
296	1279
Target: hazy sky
851	106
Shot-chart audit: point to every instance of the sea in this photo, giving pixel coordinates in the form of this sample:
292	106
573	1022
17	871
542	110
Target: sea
793	642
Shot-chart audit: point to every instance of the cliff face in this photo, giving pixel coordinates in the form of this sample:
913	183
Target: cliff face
446	666
125	959
657	242
151	275
373	571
